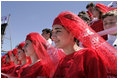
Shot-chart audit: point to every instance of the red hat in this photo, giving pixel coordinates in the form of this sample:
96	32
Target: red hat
104	8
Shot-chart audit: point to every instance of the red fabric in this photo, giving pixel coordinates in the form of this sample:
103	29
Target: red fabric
3	61
19	70
34	71
47	54
16	71
21	45
90	15
84	33
7	66
15	51
81	64
6	69
103	8
10	63
9	53
97	26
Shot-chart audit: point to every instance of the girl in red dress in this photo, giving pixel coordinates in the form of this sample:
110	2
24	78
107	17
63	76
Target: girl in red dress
43	56
98	60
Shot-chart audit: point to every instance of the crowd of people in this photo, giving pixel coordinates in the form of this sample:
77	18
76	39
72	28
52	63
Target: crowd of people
77	46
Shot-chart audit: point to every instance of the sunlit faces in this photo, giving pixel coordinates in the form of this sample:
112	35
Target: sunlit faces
28	48
61	37
21	55
109	22
13	57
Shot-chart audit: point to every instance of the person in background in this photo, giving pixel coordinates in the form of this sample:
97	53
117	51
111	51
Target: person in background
109	21
90	7
14	57
47	33
98	11
84	16
89	62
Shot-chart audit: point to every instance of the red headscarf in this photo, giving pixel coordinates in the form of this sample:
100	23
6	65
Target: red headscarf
9	53
89	38
45	51
3	61
104	8
8	65
21	45
15	51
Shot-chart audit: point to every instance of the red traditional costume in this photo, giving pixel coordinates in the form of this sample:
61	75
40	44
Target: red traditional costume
47	54
7	66
99	59
18	69
81	64
3	61
12	69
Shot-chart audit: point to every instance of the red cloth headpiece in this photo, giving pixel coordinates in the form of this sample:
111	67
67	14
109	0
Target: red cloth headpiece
45	52
3	61
15	51
104	8
9	53
21	45
85	34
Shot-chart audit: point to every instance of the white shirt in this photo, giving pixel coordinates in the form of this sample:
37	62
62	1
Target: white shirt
112	40
51	42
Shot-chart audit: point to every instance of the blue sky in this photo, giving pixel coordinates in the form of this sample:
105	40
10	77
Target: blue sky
33	16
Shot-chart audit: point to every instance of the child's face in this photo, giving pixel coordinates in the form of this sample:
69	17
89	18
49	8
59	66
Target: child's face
109	22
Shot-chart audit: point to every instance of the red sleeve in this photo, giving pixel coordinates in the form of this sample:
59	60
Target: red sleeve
94	65
97	26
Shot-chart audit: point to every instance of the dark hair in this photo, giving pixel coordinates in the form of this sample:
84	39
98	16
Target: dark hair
77	41
82	12
84	16
110	13
47	30
90	5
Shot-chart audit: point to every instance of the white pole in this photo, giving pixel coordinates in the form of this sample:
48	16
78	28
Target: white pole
9	32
